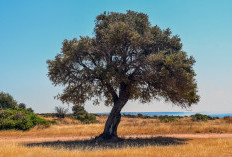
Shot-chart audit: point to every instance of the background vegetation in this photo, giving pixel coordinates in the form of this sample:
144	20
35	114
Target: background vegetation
17	116
19	119
81	114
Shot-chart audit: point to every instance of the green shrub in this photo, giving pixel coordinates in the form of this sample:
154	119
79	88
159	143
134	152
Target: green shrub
30	109
19	119
82	115
129	115
61	111
200	117
78	109
167	119
86	118
139	115
22	106
7	101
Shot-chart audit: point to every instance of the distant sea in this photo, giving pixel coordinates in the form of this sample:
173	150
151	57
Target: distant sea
174	113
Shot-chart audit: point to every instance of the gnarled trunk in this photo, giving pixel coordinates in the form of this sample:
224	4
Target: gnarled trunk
111	125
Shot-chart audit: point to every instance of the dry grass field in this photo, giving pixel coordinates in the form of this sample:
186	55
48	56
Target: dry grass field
128	126
14	143
216	147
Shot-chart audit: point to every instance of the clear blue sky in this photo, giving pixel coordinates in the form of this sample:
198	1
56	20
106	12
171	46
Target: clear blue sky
32	32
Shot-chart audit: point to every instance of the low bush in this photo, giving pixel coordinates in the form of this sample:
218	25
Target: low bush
82	115
162	118
167	119
86	118
78	109
30	109
60	112
139	115
201	117
143	116
129	115
7	101
19	119
22	106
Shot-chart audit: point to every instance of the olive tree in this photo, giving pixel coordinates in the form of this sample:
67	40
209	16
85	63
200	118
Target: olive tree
126	59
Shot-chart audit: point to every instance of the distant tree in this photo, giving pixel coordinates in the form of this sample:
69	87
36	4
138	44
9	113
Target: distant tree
78	109
81	114
60	111
30	110
7	101
201	117
126	59
22	106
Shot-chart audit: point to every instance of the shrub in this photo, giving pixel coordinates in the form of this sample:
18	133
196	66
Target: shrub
214	118
139	115
86	118
82	115
7	101
22	106
60	111
129	115
19	119
30	110
200	117
167	119
78	109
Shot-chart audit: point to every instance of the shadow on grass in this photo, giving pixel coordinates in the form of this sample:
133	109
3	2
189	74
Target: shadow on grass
131	142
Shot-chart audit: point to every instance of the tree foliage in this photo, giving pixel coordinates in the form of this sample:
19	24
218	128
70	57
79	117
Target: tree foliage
20	119
201	117
22	106
81	114
61	111
78	109
7	101
127	58
30	110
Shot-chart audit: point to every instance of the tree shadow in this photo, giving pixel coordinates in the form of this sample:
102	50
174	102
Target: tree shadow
131	142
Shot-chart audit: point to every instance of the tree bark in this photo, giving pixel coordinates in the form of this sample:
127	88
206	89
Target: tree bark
111	125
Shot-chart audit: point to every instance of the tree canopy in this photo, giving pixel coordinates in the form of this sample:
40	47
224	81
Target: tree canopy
126	59
7	101
125	49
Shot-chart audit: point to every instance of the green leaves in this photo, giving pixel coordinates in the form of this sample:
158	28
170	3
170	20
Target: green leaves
85	117
7	101
126	50
19	119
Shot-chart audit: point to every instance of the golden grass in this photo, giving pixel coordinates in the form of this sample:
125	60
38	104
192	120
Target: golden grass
197	148
149	126
128	126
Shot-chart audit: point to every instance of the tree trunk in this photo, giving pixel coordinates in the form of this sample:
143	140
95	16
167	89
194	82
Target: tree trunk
111	126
